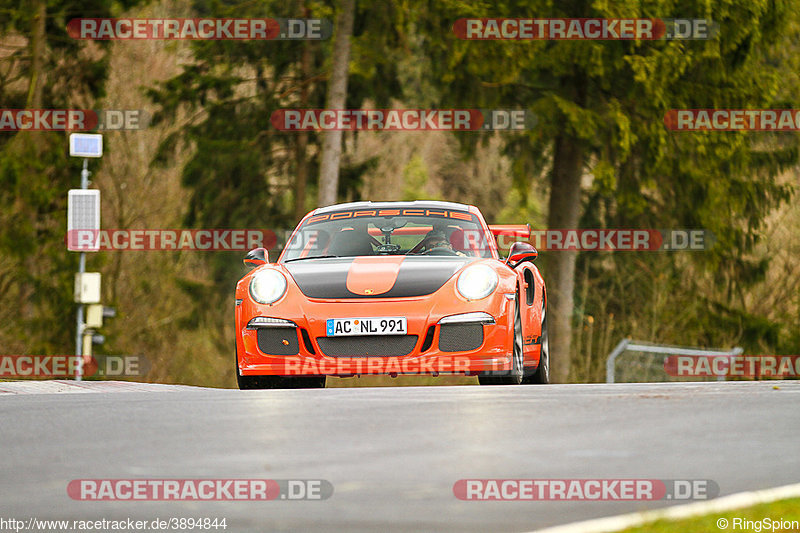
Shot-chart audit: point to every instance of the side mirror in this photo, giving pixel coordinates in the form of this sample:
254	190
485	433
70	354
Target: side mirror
521	252
256	257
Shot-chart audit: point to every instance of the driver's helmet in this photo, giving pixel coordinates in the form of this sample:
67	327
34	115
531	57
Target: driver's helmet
436	239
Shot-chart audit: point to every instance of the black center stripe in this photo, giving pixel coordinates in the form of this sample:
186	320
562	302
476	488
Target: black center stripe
418	276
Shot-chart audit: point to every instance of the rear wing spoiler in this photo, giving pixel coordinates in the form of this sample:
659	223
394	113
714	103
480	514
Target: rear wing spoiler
511	230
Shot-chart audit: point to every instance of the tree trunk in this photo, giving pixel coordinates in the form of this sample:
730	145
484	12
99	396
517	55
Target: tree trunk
336	98
38	47
564	213
301	177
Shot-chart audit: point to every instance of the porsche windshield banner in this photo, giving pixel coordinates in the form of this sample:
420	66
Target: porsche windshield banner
371	213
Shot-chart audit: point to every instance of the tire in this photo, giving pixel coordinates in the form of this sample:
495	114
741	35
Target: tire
514	377
541	376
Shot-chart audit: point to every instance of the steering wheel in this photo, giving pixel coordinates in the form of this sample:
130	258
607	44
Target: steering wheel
420	245
440	250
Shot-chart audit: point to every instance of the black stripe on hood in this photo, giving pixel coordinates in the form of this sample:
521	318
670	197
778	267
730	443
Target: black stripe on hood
418	276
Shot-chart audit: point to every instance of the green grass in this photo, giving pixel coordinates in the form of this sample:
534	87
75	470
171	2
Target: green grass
788	510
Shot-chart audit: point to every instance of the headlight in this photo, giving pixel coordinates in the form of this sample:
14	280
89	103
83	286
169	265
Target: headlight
267	286
476	282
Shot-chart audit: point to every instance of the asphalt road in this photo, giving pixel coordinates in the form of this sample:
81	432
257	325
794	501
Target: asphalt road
393	454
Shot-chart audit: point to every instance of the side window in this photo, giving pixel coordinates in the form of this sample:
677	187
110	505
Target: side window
528	276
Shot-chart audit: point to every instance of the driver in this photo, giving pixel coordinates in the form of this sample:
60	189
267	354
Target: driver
436	241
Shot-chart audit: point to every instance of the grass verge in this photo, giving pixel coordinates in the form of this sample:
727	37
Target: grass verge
759	518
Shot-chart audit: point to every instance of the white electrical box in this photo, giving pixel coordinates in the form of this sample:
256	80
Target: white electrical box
83	220
87	288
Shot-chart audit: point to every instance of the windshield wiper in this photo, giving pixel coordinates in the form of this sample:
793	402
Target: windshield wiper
310	257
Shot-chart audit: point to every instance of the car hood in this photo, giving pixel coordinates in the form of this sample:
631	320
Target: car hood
392	276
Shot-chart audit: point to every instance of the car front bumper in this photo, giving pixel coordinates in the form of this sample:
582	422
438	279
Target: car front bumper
302	347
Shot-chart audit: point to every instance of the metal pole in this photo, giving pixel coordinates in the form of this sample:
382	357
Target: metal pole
613	357
79	327
85	174
81	270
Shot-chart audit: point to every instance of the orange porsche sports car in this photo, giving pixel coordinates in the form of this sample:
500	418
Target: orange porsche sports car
393	288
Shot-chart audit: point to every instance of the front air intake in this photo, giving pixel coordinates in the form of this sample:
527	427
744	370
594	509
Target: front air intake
368	345
460	337
278	341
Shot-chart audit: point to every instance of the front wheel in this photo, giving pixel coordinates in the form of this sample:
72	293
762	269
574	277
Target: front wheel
541	376
514	377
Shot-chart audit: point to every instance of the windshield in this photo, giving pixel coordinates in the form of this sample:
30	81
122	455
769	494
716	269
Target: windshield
388	232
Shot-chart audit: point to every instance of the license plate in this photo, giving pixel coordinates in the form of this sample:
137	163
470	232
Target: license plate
386	325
